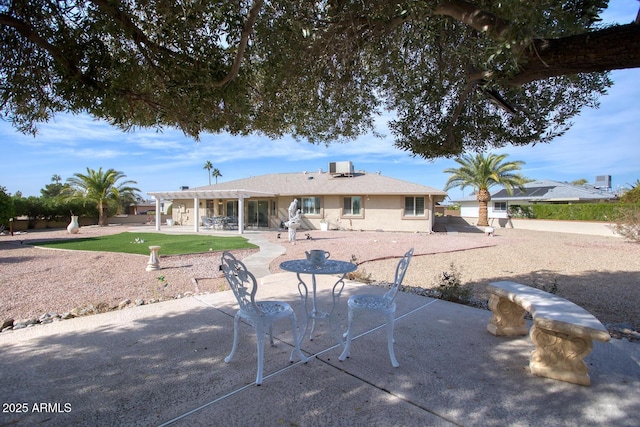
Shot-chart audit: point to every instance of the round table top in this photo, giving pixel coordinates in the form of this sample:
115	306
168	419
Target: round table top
330	266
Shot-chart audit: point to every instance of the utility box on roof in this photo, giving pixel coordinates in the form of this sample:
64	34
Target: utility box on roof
341	168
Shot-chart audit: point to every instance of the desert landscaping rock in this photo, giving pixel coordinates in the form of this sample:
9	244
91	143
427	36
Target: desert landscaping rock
599	273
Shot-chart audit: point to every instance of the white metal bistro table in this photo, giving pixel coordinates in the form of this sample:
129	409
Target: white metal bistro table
302	266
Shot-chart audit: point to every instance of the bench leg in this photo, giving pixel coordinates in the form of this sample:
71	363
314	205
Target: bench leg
560	356
507	319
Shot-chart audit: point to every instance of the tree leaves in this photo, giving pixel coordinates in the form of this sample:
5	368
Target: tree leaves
319	71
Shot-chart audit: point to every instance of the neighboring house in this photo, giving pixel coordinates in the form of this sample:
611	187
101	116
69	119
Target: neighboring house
145	207
544	191
340	198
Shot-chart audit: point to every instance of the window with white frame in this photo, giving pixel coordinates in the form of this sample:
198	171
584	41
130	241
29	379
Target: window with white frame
310	205
414	206
499	206
352	206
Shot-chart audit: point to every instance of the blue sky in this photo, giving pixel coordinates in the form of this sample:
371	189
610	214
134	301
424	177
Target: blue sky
604	141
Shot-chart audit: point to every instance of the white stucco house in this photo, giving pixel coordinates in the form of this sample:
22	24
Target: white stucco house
543	191
339	198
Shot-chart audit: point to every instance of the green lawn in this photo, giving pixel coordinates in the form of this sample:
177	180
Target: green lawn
138	243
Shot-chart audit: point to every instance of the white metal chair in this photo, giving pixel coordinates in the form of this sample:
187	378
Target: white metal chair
383	304
260	314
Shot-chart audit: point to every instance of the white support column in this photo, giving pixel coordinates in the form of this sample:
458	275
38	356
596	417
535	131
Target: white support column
432	213
196	214
240	214
158	215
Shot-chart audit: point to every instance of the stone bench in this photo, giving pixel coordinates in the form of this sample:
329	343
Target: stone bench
562	332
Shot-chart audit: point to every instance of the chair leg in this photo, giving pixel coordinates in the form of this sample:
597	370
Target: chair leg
236	320
271	335
390	325
347	344
260	332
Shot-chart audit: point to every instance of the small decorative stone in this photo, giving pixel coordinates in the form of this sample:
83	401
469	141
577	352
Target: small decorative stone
6	323
139	302
124	303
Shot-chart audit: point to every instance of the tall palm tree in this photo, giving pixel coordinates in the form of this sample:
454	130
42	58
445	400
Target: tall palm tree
216	173
482	173
208	166
56	178
101	187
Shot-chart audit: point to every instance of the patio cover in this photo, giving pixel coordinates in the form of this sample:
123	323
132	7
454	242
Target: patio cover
197	195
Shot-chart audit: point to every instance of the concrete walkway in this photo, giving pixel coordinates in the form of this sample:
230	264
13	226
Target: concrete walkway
163	364
258	263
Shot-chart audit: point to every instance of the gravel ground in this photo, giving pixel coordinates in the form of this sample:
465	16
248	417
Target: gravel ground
601	274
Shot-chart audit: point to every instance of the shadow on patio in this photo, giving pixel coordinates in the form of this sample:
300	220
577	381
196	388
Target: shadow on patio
163	364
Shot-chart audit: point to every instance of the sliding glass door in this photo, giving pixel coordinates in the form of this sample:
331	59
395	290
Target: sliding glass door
257	213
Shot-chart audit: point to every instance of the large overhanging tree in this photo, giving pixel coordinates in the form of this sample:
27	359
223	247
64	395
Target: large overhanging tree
457	75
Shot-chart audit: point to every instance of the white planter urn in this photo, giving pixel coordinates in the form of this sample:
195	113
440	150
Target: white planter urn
73	226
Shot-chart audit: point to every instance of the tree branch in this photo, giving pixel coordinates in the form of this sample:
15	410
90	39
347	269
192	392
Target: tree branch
136	34
244	40
474	17
28	33
612	48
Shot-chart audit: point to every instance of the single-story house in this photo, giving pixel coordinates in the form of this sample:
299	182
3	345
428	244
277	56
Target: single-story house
543	191
338	199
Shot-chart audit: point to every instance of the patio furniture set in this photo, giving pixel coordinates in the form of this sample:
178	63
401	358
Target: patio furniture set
562	332
262	314
219	222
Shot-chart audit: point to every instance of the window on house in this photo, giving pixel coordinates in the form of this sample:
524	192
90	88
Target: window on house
499	206
352	206
311	205
232	208
414	206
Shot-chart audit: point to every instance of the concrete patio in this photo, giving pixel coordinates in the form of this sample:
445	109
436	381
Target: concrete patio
162	364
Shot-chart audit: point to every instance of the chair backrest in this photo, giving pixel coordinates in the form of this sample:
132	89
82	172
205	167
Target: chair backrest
401	269
206	220
243	284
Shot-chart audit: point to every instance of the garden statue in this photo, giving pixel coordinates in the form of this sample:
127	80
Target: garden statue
293	207
294	220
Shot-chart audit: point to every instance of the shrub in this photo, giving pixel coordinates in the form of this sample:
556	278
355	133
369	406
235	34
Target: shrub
360	275
569	212
628	222
450	287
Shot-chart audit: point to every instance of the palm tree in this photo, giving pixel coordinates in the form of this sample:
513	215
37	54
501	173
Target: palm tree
216	173
208	166
56	178
482	173
101	187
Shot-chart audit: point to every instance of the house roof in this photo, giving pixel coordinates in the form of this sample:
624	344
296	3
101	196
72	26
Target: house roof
308	184
323	183
553	191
